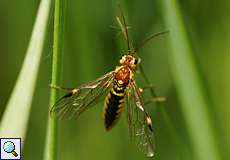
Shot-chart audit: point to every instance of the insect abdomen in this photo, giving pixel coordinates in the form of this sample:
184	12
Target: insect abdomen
114	106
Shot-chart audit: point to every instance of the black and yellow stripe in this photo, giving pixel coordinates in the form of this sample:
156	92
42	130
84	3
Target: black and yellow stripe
114	105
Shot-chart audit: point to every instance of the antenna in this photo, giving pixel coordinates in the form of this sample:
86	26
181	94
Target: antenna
144	41
124	28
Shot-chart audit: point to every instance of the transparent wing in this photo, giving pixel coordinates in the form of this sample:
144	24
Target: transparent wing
82	98
139	121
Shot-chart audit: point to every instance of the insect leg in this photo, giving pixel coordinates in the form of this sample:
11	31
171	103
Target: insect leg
61	88
151	88
153	99
70	91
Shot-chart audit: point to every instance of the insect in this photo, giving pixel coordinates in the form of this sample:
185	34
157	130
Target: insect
120	89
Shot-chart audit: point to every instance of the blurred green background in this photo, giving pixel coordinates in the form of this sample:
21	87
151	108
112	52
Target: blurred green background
92	47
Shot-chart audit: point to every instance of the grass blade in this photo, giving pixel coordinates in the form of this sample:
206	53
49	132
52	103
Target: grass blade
51	136
188	83
16	115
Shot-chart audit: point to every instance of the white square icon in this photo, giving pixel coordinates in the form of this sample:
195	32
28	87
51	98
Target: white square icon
10	148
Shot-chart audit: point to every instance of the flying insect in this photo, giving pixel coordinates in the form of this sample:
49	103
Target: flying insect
120	90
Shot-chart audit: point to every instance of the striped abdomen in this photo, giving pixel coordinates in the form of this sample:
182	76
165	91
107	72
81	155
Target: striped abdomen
114	106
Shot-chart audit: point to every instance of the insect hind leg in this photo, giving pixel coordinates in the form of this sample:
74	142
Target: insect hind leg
151	88
154	98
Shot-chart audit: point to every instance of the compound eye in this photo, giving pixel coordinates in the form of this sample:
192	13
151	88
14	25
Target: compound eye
122	56
121	59
136	61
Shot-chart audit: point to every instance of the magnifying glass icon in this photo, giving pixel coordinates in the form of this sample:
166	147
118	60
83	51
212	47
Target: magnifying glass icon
9	147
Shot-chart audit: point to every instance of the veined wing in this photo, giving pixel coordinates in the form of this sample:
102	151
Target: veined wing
82	98
140	124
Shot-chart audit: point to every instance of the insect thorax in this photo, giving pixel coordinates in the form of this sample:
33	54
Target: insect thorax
123	75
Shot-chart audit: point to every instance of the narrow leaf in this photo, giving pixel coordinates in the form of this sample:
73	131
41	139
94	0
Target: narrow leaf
51	136
16	115
188	84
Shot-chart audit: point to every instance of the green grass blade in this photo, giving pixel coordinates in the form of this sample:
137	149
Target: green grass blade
51	136
16	115
188	83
